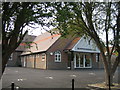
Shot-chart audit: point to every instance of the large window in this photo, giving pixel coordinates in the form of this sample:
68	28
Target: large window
82	60
57	56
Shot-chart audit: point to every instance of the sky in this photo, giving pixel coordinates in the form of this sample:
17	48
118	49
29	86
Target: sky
39	30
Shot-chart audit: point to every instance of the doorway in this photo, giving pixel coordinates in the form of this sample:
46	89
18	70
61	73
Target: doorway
82	60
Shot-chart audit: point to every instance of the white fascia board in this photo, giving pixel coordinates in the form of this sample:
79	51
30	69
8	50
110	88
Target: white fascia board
83	44
86	51
73	49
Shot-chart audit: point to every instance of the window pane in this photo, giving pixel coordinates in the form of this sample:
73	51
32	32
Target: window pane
87	62
57	56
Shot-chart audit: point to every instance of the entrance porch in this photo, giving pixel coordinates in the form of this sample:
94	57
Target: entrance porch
82	60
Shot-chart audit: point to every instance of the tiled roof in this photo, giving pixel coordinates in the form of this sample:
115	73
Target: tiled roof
27	38
72	44
42	43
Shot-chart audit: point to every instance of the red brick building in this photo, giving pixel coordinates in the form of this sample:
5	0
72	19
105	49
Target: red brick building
57	52
14	59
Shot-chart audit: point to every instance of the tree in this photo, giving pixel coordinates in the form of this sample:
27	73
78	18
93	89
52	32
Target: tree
15	16
93	18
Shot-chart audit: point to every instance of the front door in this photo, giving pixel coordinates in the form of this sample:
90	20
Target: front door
82	60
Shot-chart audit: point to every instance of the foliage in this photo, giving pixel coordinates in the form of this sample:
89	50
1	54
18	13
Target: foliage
93	19
17	15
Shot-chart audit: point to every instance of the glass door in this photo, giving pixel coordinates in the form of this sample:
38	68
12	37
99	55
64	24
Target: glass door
81	60
87	61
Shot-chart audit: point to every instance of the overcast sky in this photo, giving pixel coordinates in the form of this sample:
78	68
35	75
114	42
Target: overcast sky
39	30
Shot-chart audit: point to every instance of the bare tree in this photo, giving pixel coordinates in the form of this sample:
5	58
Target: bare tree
15	16
93	18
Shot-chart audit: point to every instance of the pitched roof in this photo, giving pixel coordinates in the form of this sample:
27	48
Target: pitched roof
63	42
27	38
86	44
72	44
42	43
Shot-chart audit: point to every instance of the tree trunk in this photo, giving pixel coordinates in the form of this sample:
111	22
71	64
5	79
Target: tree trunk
116	63
108	72
109	79
111	72
4	61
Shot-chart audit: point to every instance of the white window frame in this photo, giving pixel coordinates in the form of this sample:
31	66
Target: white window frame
24	61
57	56
97	57
43	56
83	61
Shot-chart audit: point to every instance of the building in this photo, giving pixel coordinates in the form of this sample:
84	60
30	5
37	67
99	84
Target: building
14	59
57	52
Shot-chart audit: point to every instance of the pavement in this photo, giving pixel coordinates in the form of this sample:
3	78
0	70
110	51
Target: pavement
36	78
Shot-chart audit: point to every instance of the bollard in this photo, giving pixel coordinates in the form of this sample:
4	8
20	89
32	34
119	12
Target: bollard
109	83
12	86
72	84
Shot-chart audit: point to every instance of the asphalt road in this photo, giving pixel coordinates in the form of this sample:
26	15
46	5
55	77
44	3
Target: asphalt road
35	78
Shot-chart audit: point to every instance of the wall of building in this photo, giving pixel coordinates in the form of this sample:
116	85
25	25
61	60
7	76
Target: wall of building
37	61
59	45
51	64
40	61
96	63
101	62
34	61
30	61
15	59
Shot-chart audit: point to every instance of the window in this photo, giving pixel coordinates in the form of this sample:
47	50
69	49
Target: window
97	57
57	56
43	57
37	55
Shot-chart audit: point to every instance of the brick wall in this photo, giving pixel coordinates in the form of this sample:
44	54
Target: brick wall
30	61
96	64
34	61
40	61
59	45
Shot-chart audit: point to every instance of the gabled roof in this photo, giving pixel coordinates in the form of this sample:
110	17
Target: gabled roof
42	43
72	44
27	38
86	44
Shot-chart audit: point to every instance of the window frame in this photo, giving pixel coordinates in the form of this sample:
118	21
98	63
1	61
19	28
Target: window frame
43	56
97	57
57	56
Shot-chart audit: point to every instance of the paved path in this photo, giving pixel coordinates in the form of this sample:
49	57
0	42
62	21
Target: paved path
35	78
